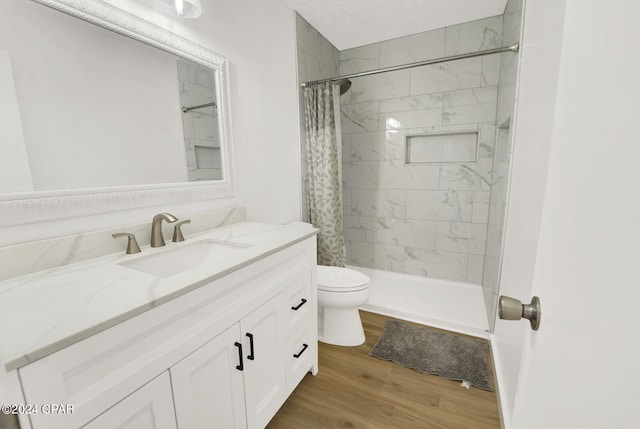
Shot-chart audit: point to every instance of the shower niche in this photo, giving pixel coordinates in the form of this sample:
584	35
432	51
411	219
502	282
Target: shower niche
442	148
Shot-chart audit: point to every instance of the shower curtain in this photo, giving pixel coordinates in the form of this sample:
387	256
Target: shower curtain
324	170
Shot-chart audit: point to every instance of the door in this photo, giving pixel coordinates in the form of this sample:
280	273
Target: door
264	364
208	386
150	407
581	213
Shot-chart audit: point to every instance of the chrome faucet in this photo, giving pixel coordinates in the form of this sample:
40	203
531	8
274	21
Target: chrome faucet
157	239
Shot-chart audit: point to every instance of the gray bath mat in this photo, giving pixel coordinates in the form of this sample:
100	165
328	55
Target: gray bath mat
447	355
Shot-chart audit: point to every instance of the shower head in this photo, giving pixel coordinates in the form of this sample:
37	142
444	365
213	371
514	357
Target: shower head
345	84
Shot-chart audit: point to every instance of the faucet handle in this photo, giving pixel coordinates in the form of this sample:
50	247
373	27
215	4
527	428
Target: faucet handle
177	232
132	243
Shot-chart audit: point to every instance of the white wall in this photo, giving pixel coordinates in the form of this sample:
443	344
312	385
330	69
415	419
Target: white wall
580	369
258	39
540	55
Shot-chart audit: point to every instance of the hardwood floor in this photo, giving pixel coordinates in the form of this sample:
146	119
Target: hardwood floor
355	390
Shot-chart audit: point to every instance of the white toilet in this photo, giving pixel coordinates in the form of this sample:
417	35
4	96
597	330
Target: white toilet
340	292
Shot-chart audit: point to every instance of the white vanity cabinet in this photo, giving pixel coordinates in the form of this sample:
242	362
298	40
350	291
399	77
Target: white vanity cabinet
264	366
151	407
241	378
222	354
208	386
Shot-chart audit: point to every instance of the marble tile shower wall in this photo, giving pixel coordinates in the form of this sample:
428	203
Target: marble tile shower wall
502	159
512	22
317	59
428	220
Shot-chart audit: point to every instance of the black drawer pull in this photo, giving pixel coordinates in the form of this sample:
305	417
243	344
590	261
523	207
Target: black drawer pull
297	355
239	346
251	355
303	302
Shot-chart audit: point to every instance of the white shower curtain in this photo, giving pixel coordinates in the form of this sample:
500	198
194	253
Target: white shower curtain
324	170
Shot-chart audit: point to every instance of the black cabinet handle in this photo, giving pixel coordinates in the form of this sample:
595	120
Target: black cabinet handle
297	355
239	346
299	305
251	355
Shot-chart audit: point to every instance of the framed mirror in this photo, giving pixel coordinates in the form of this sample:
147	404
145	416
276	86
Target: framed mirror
115	113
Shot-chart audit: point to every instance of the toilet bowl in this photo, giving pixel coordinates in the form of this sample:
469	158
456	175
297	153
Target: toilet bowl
340	292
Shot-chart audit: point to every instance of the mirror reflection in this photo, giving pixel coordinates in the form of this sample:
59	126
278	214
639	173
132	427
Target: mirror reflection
200	120
97	109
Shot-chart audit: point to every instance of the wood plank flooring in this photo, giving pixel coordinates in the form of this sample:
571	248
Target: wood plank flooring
354	390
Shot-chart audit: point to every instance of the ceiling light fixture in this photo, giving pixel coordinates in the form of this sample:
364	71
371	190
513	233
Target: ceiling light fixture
184	8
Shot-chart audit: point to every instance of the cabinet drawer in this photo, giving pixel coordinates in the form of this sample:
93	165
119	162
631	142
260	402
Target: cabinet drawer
299	301
301	352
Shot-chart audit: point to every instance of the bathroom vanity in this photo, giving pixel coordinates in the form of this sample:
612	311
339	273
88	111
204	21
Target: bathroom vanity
216	331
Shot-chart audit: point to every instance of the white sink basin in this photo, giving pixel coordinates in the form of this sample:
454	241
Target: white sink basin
173	261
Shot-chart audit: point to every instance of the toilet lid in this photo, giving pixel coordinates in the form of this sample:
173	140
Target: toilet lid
341	279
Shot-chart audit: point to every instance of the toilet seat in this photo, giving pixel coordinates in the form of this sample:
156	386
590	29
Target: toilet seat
338	279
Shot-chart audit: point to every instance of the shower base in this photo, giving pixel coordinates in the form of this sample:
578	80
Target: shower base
454	306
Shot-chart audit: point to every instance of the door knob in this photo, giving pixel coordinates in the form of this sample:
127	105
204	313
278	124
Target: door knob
514	309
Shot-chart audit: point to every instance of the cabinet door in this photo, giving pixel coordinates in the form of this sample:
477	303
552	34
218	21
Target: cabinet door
208	387
150	407
264	375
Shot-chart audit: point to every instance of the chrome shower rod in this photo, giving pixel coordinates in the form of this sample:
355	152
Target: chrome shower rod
513	48
200	106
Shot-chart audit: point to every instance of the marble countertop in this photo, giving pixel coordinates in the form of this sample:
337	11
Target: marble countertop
43	312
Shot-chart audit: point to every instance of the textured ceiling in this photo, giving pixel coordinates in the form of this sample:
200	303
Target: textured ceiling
351	23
